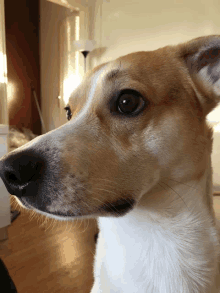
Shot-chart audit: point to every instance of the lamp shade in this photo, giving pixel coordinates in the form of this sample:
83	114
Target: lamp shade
84	45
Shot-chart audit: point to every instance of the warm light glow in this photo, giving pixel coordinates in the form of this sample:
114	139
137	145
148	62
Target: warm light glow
11	91
214	115
69	85
77	29
73	78
217	128
214	120
77	52
3	68
85	45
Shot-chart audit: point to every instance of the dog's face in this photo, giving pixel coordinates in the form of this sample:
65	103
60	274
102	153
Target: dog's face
132	122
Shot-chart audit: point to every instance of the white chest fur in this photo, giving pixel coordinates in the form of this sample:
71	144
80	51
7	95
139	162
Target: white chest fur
146	253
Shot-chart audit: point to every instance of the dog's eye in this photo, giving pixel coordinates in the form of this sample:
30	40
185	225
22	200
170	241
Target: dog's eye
68	112
130	102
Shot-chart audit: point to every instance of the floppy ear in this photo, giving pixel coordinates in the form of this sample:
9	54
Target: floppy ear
202	57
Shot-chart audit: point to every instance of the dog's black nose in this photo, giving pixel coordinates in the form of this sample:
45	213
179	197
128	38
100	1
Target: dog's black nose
19	170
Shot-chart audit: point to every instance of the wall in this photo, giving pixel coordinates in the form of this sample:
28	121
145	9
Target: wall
122	27
51	16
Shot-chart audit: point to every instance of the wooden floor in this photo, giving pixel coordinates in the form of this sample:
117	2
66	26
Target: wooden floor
48	256
54	256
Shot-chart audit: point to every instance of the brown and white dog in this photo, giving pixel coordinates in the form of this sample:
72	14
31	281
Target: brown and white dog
136	154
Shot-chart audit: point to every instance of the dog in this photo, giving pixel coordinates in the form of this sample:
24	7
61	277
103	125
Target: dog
136	155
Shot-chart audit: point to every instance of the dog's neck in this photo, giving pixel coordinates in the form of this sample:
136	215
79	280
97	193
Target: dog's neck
170	200
161	237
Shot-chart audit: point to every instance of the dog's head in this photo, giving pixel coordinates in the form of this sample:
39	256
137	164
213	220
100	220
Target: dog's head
132	121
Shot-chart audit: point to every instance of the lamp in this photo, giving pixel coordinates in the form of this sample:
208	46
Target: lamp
85	46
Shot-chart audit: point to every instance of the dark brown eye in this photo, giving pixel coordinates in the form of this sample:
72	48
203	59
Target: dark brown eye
68	112
130	102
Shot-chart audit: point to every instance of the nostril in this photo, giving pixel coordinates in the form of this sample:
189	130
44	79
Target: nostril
14	182
17	185
11	177
20	177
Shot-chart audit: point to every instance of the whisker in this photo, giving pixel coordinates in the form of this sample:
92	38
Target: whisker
31	215
106	190
49	226
175	192
110	181
80	224
86	226
193	187
108	205
67	222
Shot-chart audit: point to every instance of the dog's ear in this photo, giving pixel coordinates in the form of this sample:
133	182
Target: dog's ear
202	57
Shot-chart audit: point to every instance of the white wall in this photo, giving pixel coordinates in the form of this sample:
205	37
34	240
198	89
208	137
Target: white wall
127	26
